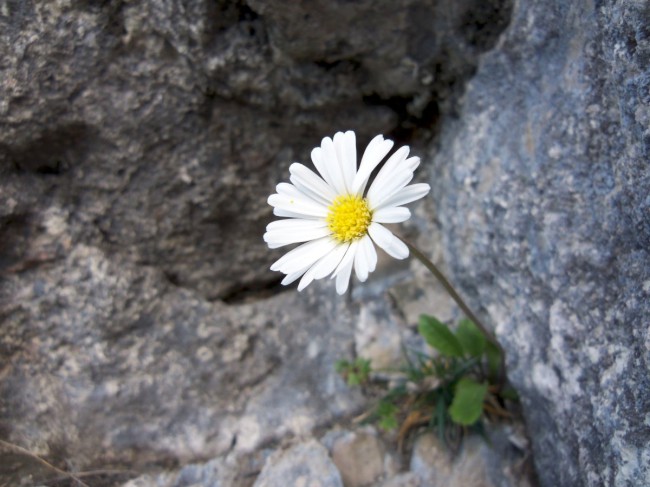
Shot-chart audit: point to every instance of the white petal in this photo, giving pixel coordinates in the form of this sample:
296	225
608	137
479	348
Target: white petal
303	177
280	238
349	256
398	170
388	242
294	192
388	172
318	158
330	262
304	193
289	278
304	255
406	195
307	278
295	224
294	214
409	164
309	192
412	163
334	169
346	151
395	161
384	190
361	263
370	253
351	148
393	214
307	261
323	266
374	153
343	277
296	205
301	252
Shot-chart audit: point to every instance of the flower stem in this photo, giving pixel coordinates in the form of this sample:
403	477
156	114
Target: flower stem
452	292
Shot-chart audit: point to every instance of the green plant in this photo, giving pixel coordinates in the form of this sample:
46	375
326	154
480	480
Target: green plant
356	372
450	390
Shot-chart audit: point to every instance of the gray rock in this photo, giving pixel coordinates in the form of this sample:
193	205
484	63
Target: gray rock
143	122
216	473
361	458
139	323
431	461
378	335
408	479
479	464
306	464
231	470
542	190
105	353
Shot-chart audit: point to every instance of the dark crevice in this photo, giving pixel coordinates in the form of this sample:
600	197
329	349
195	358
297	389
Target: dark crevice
56	168
482	25
15	232
248	292
246	14
224	14
55	151
341	66
172	278
409	121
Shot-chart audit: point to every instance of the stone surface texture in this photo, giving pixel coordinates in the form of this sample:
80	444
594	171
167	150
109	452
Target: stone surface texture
306	464
361	457
541	189
140	327
141	332
478	464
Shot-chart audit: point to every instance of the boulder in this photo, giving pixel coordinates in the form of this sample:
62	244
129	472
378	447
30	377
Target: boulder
305	464
541	186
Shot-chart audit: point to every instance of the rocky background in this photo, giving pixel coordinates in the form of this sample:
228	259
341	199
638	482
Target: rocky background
543	198
141	332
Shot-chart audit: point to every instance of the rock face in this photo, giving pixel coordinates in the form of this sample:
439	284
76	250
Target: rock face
160	128
139	323
542	188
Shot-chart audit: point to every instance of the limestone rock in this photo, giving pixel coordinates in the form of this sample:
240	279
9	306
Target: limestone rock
360	457
167	372
478	464
408	479
307	464
431	461
541	188
378	335
220	472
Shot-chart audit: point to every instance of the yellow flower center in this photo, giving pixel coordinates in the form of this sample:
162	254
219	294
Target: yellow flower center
348	217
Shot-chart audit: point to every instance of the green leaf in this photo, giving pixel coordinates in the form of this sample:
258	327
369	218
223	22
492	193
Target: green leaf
471	338
364	368
493	358
355	373
439	336
387	413
353	379
341	366
467	406
388	423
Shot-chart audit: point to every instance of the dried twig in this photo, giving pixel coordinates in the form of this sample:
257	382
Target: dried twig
63	473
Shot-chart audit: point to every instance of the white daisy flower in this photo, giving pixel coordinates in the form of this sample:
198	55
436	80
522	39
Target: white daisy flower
333	213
